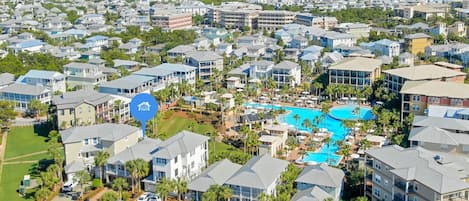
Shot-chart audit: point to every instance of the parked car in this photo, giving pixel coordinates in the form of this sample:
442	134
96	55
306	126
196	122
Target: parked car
144	196
68	186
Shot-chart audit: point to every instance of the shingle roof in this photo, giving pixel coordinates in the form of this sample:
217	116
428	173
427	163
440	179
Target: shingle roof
164	69
441	122
128	82
357	64
441	172
44	74
107	131
80	65
437	135
311	194
286	65
141	150
75	166
6	78
436	89
322	175
25	89
424	72
180	143
417	35
204	55
182	49
75	98
217	173
259	172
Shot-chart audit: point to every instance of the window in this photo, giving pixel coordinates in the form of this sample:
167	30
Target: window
434	100
176	159
415	107
61	112
386	182
95	140
456	101
416	98
160	161
377	178
377	166
86	141
192	165
176	172
377	192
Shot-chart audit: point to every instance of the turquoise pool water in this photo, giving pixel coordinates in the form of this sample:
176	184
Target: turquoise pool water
347	112
333	125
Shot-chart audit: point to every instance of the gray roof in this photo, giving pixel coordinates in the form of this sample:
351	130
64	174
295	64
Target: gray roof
437	135
286	65
80	65
128	82
141	150
204	55
357	64
311	194
107	131
322	175
424	72
441	172
181	143
44	74
436	89
417	35
6	79
259	172
75	98
25	89
441	122
182	49
217	173
75	166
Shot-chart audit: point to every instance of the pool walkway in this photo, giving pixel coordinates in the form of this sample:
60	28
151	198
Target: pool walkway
296	153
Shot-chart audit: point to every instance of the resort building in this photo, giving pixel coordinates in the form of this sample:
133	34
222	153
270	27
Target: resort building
206	62
216	174
166	74
395	78
128	86
449	124
417	96
83	143
358	72
170	20
318	180
273	20
54	81
437	139
332	39
273	139
358	30
383	47
396	173
22	94
261	174
322	22
416	43
234	14
184	156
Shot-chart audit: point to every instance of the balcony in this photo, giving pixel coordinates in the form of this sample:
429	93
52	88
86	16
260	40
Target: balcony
398	197
369	163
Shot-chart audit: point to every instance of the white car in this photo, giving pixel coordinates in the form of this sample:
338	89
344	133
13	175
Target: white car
154	197
144	196
68	186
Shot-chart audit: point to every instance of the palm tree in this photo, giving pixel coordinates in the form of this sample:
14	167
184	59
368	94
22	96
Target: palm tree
317	88
345	151
209	196
222	111
363	198
264	197
119	184
216	192
226	193
110	196
181	188
365	144
100	160
297	118
307	123
327	141
42	194
82	177
252	141
164	187
143	168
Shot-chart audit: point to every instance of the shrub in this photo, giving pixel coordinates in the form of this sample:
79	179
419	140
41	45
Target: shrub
97	183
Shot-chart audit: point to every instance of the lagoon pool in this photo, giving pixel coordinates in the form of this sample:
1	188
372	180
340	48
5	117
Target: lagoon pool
333	125
347	112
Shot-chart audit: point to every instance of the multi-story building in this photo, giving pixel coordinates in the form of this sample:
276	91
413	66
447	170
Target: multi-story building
318	180
332	39
87	107
83	74
384	47
82	144
416	43
234	14
261	70
286	73
395	78
184	156
323	22
273	20
261	174
440	139
399	174
22	94
418	95
54	81
129	86
167	73
358	30
169	20
273	140
458	29
206	62
358	72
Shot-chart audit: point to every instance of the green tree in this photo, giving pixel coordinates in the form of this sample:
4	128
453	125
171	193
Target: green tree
297	118
164	187
181	188
37	108
42	194
217	192
100	160
7	113
82	177
307	124
362	198
119	184
110	196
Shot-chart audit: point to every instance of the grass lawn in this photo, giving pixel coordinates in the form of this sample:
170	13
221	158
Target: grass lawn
11	177
171	126
25	140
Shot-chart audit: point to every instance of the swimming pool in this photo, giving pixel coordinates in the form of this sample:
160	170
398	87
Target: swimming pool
333	125
346	112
